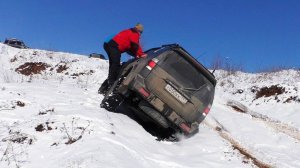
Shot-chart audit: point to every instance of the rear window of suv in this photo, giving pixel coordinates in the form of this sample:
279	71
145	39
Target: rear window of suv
186	75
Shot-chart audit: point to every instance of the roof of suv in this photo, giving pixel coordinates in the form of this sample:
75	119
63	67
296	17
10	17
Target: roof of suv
13	39
14	42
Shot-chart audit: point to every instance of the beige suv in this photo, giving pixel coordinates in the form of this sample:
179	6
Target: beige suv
168	87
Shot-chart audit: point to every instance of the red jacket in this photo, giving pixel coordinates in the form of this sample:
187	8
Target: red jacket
128	40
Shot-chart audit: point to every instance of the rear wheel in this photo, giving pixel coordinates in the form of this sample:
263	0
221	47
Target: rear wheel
152	113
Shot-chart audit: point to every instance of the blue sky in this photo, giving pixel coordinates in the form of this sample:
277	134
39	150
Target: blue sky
258	34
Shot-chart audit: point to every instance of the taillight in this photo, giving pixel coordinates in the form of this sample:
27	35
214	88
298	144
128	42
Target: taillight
144	92
206	110
152	63
185	127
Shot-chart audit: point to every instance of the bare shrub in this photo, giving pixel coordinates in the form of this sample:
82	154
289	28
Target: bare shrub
217	63
46	111
34	52
63	59
11	105
14	152
60	79
9	155
292	99
61	67
14	59
17	137
232	69
73	137
83	78
7	77
298	73
221	63
274	68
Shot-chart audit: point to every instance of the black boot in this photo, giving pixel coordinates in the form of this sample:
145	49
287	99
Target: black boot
104	87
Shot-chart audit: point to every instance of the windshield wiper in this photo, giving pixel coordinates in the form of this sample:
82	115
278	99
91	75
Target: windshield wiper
194	89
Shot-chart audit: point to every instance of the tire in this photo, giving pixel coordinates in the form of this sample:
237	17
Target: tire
112	99
155	115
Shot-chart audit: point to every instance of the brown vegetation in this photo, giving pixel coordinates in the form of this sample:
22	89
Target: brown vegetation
17	137
292	98
43	127
269	91
20	104
40	128
30	68
61	68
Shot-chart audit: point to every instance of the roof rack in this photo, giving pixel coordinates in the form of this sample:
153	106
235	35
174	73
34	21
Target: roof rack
171	45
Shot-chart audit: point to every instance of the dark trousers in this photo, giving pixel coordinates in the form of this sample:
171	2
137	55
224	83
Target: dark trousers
114	56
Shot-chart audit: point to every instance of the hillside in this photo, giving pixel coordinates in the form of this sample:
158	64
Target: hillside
50	117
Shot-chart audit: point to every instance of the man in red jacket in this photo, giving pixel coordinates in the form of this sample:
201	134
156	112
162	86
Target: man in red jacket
125	41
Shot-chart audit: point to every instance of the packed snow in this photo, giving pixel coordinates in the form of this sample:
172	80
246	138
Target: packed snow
50	117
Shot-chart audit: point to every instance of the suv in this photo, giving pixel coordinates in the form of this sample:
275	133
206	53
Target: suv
15	43
169	87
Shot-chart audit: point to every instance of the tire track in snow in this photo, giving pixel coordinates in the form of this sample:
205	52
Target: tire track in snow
222	131
275	124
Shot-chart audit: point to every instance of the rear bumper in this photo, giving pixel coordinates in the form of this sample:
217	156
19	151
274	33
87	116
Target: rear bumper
177	121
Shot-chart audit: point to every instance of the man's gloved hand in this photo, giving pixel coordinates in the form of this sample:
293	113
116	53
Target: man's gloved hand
142	56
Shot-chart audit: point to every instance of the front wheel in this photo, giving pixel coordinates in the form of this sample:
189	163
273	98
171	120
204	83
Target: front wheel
112	102
112	99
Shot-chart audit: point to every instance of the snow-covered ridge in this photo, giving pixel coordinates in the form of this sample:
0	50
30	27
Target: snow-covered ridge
53	119
59	65
279	87
243	86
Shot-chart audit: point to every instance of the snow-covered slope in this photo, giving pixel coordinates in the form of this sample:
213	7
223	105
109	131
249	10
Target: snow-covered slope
275	94
51	118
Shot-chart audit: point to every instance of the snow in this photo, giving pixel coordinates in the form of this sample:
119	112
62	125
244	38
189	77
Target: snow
67	107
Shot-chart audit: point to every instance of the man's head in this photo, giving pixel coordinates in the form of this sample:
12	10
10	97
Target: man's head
139	27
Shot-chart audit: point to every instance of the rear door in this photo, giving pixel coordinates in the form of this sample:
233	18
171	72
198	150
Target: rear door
180	85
